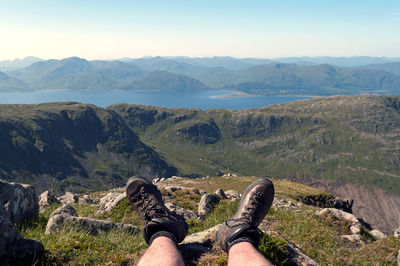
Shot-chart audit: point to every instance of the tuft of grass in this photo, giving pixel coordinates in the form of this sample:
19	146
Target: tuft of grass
275	250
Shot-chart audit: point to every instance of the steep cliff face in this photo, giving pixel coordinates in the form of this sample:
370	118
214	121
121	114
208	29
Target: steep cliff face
72	145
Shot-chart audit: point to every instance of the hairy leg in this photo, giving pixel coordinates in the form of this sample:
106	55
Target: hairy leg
244	253
162	251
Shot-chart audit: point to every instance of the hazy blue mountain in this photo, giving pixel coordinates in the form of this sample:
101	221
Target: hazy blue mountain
280	78
355	61
53	70
393	68
218	61
210	76
8	83
19	63
166	82
168	74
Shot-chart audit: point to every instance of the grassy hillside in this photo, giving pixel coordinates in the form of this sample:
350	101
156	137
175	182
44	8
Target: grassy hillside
349	138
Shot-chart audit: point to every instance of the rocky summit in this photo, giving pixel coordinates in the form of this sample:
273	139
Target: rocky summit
105	229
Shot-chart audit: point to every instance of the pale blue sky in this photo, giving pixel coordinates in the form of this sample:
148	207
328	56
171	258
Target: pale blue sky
97	29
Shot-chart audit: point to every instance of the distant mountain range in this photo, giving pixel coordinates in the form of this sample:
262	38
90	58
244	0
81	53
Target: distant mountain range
18	63
175	74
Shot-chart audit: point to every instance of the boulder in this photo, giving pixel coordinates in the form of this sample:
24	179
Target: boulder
85	199
207	203
355	227
201	237
15	249
398	259
397	233
19	201
66	216
110	201
47	198
172	189
221	194
377	234
232	194
187	214
65	210
69	198
352	238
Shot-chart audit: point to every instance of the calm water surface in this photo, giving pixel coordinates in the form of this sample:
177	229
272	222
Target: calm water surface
203	99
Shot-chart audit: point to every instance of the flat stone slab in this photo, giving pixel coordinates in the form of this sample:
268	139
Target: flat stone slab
67	216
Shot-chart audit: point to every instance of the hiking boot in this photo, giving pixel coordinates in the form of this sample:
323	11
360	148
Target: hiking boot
147	201
243	226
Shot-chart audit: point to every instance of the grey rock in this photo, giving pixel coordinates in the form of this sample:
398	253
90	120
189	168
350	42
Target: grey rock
202	192
398	259
85	199
187	214
352	238
69	198
378	234
19	201
110	201
13	247
355	227
174	178
173	188
201	237
397	233
207	203
66	216
64	210
232	194
221	194
47	198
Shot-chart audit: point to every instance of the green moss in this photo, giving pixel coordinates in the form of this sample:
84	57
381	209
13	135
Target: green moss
275	250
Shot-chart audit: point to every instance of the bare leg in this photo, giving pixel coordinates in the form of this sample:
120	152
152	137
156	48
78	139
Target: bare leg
162	251
244	253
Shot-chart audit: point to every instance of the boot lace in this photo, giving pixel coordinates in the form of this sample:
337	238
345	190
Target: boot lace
148	205
250	213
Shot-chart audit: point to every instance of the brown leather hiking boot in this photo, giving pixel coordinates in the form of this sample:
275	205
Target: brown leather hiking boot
254	205
146	199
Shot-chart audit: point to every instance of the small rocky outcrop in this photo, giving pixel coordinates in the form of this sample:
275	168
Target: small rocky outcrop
398	259
187	214
352	238
207	203
221	194
66	215
327	201
19	201
397	233
47	198
172	189
355	227
110	201
15	249
69	198
282	203
377	234
232	194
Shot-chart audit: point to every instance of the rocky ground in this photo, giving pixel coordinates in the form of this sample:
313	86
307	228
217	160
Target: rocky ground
305	226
